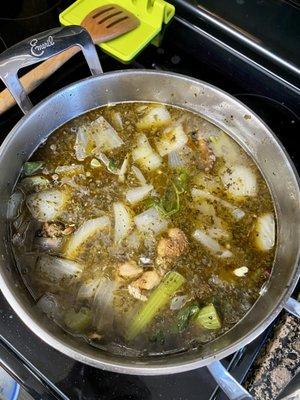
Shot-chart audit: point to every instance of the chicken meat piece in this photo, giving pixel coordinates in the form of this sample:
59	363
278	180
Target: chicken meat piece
136	293
129	270
56	229
174	245
147	281
206	154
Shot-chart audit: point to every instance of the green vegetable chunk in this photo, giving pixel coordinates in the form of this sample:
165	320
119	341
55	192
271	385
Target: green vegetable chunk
31	167
157	300
184	316
181	181
112	166
208	318
170	201
78	321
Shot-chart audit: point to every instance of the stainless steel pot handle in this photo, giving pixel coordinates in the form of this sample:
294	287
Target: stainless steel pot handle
227	383
293	307
38	48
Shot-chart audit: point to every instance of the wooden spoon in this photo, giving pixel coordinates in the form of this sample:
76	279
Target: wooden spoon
103	24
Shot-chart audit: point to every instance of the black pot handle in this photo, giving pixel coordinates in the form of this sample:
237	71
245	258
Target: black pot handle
40	47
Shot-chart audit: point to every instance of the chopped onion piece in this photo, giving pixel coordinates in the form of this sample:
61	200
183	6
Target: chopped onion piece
203	194
265	232
69	169
152	162
150	221
83	233
156	117
123	222
145	155
104	135
82	144
239	181
46	205
45	244
139	175
123	169
178	302
55	268
218	233
117	120
136	293
107	162
211	244
48	303
240	272
14	204
207	182
88	289
103	314
31	183
133	240
172	139
174	160
223	146
138	194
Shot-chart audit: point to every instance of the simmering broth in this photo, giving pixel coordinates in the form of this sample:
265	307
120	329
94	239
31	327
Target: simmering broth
143	228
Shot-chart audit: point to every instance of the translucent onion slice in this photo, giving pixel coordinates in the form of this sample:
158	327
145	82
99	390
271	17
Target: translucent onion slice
88	289
55	269
14	205
174	160
264	231
171	139
123	222
139	175
236	212
83	233
150	221
225	147
103	314
117	120
211	244
123	169
144	155
46	244
49	304
83	144
156	116
69	169
34	183
46	205
239	182
104	135
138	194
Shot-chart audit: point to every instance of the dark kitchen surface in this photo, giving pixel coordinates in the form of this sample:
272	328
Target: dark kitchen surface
48	374
272	23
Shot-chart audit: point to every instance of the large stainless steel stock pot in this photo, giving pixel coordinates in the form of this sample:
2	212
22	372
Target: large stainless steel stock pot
133	85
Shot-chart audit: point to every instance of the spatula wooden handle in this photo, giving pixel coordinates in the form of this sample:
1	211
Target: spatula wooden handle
36	76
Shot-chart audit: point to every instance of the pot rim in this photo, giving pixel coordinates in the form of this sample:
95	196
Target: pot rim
141	368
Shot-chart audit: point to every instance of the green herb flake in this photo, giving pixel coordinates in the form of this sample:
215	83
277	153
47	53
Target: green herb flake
31	167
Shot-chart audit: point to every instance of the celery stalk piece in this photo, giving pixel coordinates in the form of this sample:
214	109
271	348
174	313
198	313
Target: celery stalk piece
208	318
157	300
78	321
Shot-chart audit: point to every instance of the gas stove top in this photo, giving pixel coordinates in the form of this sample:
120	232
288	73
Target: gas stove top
186	48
